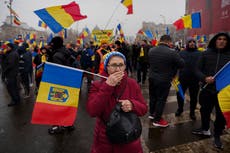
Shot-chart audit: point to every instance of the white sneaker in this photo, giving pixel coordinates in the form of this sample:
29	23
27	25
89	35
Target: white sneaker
202	132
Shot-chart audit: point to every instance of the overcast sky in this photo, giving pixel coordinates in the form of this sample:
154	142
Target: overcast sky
100	11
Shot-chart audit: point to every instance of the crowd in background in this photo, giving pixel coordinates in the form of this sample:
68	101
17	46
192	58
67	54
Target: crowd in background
20	63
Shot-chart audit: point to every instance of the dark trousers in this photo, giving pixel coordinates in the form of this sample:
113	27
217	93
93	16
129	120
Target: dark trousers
25	80
141	69
208	100
13	90
158	93
193	93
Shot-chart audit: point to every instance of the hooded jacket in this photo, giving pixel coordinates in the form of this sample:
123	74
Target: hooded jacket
212	60
102	100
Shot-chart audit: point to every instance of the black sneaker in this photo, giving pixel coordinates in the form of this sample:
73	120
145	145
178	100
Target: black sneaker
200	131
178	113
69	128
56	130
217	143
193	117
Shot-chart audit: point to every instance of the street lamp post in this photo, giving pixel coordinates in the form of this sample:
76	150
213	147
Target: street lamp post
164	23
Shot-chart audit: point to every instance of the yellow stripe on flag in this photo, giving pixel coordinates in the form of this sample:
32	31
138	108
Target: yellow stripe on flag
58	95
62	17
224	99
187	21
127	2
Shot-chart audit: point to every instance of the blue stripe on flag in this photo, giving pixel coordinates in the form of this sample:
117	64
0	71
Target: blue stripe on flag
49	20
223	77
196	21
62	75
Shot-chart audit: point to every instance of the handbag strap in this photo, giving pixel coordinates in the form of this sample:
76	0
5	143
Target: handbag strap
116	98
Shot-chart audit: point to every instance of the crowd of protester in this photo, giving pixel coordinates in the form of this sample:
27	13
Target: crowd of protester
20	63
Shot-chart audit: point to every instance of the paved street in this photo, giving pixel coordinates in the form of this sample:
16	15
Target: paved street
18	135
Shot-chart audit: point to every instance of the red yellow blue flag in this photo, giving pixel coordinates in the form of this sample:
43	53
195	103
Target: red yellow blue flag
60	17
129	5
42	24
188	21
223	86
58	95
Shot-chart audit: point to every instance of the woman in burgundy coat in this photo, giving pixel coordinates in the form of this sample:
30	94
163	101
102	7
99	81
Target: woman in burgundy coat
104	95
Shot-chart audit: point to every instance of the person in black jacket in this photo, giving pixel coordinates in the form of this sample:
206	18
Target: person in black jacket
10	69
164	63
25	67
187	77
142	62
210	62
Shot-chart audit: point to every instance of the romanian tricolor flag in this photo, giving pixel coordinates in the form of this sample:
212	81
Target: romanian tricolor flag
39	70
42	24
223	86
189	21
58	95
17	21
178	87
60	17
129	5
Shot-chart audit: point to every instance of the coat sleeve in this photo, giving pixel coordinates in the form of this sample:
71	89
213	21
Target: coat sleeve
98	98
198	69
179	61
138	101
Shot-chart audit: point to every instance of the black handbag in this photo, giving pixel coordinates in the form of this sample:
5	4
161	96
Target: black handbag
123	127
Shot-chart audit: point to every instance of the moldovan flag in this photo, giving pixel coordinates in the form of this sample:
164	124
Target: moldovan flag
60	17
223	86
58	95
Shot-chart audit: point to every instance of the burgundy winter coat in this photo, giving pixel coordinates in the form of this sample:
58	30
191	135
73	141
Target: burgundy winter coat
100	103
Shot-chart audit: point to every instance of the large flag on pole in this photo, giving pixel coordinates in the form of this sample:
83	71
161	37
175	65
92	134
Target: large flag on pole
223	86
58	95
129	5
189	21
60	17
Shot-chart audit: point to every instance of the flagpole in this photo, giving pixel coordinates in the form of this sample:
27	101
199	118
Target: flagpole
111	16
217	73
101	76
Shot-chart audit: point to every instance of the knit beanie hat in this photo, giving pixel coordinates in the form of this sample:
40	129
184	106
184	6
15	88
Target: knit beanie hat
111	54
